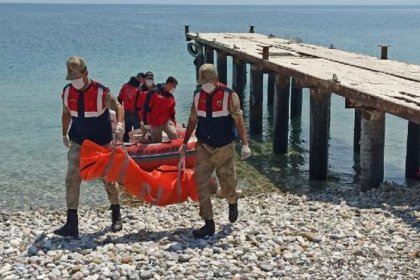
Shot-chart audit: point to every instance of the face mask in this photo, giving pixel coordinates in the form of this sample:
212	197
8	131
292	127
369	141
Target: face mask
208	87
172	91
78	83
149	83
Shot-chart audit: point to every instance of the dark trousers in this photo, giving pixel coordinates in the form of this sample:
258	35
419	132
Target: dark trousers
132	121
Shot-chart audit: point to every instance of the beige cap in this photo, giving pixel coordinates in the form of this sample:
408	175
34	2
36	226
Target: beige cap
206	73
75	67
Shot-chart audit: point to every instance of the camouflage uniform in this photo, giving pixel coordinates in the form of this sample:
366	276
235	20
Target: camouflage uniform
73	179
221	160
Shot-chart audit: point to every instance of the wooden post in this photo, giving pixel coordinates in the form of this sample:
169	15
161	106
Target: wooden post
208	54
239	79
319	134
281	114
412	162
356	136
296	101
187	30
372	142
222	66
270	89
384	51
199	60
256	100
266	52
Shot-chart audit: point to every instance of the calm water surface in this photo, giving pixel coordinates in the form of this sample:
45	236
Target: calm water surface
120	40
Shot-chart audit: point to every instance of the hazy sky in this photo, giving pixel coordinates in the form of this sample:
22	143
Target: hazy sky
232	2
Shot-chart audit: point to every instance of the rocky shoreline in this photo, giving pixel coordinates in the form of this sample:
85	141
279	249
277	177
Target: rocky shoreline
331	234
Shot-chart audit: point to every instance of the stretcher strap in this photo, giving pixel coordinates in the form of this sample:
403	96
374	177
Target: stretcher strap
181	171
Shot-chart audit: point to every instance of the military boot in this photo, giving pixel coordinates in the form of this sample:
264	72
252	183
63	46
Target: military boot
71	227
233	211
207	230
116	218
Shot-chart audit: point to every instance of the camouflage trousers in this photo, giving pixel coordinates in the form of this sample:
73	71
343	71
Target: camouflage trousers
73	180
169	128
221	160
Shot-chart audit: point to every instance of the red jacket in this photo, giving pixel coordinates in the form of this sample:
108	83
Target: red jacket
141	97
128	97
159	107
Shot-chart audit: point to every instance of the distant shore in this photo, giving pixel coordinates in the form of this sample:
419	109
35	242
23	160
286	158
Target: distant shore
334	234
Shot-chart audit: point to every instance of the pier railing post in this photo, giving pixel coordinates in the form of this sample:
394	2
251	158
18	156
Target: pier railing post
208	54
256	100
384	51
281	114
320	103
412	162
238	79
222	66
296	101
372	142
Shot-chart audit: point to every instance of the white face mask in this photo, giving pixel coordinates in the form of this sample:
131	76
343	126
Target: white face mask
78	83
172	91
208	87
149	83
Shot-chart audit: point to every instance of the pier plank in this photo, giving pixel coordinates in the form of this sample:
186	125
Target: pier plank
386	85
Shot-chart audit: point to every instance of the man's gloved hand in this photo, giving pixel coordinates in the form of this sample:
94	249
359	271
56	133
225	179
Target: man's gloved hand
66	141
182	150
245	152
119	131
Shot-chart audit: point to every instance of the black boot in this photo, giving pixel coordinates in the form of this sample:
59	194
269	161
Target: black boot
116	218
207	230
233	211
71	227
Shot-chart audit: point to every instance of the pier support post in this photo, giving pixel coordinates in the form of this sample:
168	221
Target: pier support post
372	142
222	67
296	101
281	114
199	60
239	79
320	103
270	88
412	162
356	137
208	54
256	100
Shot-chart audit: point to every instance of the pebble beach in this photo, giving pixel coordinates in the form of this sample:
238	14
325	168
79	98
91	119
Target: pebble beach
330	234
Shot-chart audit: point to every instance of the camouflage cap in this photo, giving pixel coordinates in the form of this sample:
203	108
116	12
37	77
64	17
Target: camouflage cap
207	73
76	66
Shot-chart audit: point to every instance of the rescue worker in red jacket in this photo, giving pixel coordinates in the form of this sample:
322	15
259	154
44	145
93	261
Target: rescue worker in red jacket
140	78
86	115
159	111
217	114
141	97
128	96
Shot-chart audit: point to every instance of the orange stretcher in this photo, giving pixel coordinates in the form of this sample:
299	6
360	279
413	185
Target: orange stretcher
163	186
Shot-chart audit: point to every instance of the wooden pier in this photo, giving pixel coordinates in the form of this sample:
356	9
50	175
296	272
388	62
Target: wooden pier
372	86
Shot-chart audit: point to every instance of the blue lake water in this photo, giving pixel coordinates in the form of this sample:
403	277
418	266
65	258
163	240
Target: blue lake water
118	41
